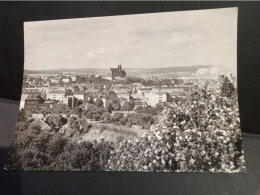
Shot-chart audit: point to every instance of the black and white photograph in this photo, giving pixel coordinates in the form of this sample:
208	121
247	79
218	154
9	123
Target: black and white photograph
151	92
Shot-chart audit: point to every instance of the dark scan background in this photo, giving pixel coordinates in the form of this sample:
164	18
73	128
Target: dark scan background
13	14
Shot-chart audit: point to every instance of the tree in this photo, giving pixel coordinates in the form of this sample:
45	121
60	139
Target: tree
96	116
68	92
123	120
132	103
84	88
41	99
56	121
159	107
116	104
149	110
127	106
21	115
139	109
144	119
109	108
60	108
106	117
91	100
99	103
92	107
117	116
90	114
76	88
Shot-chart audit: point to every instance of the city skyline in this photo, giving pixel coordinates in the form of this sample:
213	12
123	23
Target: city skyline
156	40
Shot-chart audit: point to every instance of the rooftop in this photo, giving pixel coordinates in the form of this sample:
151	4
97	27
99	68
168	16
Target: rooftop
57	92
31	99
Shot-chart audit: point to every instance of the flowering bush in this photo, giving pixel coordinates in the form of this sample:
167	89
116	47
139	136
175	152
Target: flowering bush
201	133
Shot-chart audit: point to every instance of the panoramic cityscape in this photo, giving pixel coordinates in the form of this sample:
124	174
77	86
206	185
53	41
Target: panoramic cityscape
121	111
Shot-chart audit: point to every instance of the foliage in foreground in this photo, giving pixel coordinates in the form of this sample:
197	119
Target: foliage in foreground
34	149
196	135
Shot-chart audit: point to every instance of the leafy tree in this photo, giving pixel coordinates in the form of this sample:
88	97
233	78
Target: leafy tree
76	88
144	119
128	106
41	99
91	100
59	108
92	107
56	121
99	103
123	120
109	108
132	103
84	88
96	116
90	114
106	117
116	104
139	109
56	146
159	107
68	92
117	116
21	115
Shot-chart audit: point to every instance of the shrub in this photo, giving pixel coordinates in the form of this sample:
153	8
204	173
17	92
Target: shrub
119	139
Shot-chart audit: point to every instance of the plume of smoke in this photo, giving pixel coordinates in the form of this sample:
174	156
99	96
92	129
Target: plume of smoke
208	73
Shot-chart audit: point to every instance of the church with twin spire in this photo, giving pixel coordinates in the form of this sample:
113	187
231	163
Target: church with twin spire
118	72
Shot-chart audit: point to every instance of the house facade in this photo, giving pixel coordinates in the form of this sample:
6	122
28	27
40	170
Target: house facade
154	97
56	95
31	103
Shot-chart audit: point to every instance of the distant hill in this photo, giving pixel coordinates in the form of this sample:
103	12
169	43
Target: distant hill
76	70
129	71
185	69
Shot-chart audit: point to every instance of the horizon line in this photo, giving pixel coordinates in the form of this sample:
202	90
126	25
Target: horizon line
122	67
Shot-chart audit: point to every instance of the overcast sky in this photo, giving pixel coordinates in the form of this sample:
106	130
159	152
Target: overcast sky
204	37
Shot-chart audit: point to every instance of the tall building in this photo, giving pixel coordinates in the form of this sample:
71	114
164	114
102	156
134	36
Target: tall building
72	102
117	72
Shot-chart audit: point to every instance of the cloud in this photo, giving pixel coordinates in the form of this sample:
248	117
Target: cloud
163	55
70	56
102	52
132	40
180	38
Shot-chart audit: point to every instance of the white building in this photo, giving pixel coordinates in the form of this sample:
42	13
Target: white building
22	102
65	80
154	97
55	81
56	95
55	88
123	95
108	78
143	90
137	85
80	96
73	78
